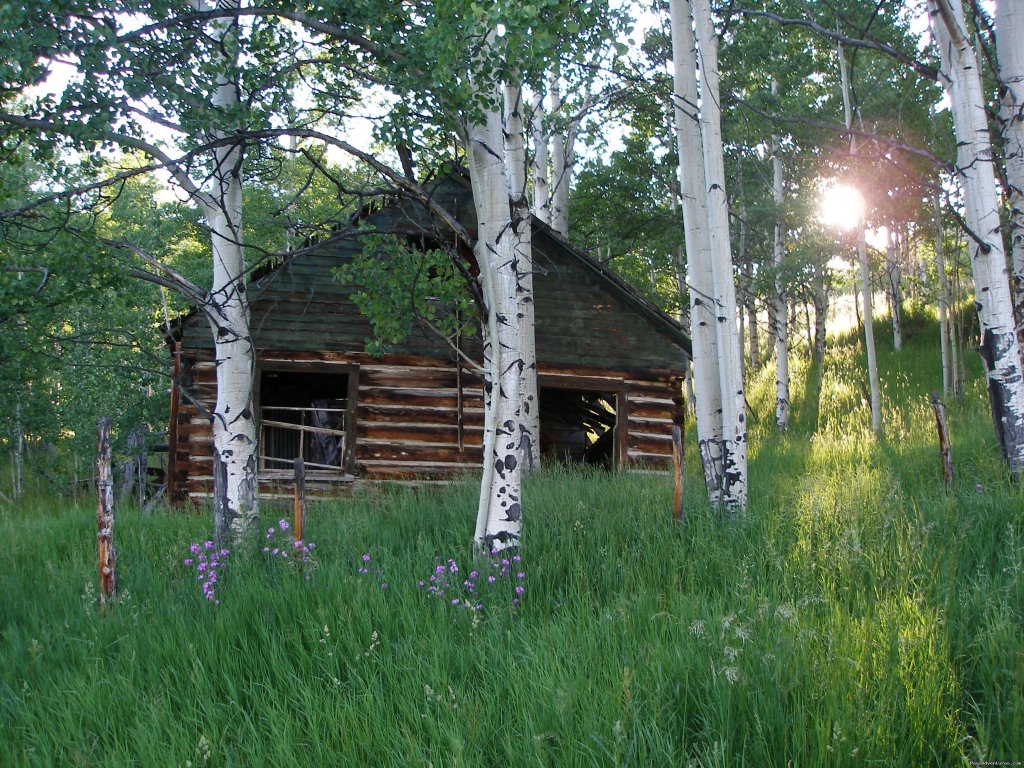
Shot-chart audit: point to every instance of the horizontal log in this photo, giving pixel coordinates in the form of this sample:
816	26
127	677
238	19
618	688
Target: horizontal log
389	471
431	378
647	408
268	356
192	429
416	396
656	390
371	433
413	414
353	357
317	476
624	373
643	462
654	426
658	445
427	454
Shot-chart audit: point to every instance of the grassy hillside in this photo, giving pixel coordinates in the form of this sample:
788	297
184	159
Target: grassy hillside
856	615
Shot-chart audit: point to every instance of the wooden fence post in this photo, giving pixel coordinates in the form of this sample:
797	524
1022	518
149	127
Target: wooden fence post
945	451
299	526
105	517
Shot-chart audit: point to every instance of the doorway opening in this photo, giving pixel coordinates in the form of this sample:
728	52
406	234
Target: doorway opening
304	415
579	427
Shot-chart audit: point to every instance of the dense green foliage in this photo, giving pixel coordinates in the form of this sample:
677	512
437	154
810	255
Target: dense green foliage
858	614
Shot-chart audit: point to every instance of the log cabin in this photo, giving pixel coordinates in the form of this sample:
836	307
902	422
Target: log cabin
610	371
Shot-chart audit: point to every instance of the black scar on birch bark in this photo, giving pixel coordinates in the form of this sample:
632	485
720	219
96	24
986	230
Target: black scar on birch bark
526	447
993	346
513	513
503	537
221	510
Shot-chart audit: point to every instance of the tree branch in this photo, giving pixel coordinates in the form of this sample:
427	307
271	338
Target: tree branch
165	161
41	270
920	67
845	132
169	278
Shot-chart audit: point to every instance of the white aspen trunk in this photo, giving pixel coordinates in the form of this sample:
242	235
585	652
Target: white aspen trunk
749	297
754	338
707	395
506	436
867	318
940	268
955	330
867	315
17	452
1000	346
541	191
562	149
1010	51
894	277
227	307
741	334
746	288
820	317
782	404
522	233
734	417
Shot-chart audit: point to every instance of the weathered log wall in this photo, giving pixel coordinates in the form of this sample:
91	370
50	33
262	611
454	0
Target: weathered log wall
420	417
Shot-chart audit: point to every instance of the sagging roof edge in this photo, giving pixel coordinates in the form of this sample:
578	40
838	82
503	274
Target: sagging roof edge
635	300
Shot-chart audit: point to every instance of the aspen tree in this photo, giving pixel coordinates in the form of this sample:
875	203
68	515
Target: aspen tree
707	394
1010	51
717	295
1000	346
865	274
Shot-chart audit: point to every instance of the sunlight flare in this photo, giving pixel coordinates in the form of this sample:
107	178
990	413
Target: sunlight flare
841	206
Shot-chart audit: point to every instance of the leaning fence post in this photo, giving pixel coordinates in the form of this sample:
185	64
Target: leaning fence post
105	517
299	527
945	452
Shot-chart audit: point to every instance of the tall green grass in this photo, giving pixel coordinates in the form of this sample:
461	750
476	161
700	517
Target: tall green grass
857	614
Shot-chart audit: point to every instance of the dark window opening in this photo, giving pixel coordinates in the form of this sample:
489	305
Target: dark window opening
578	427
303	415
